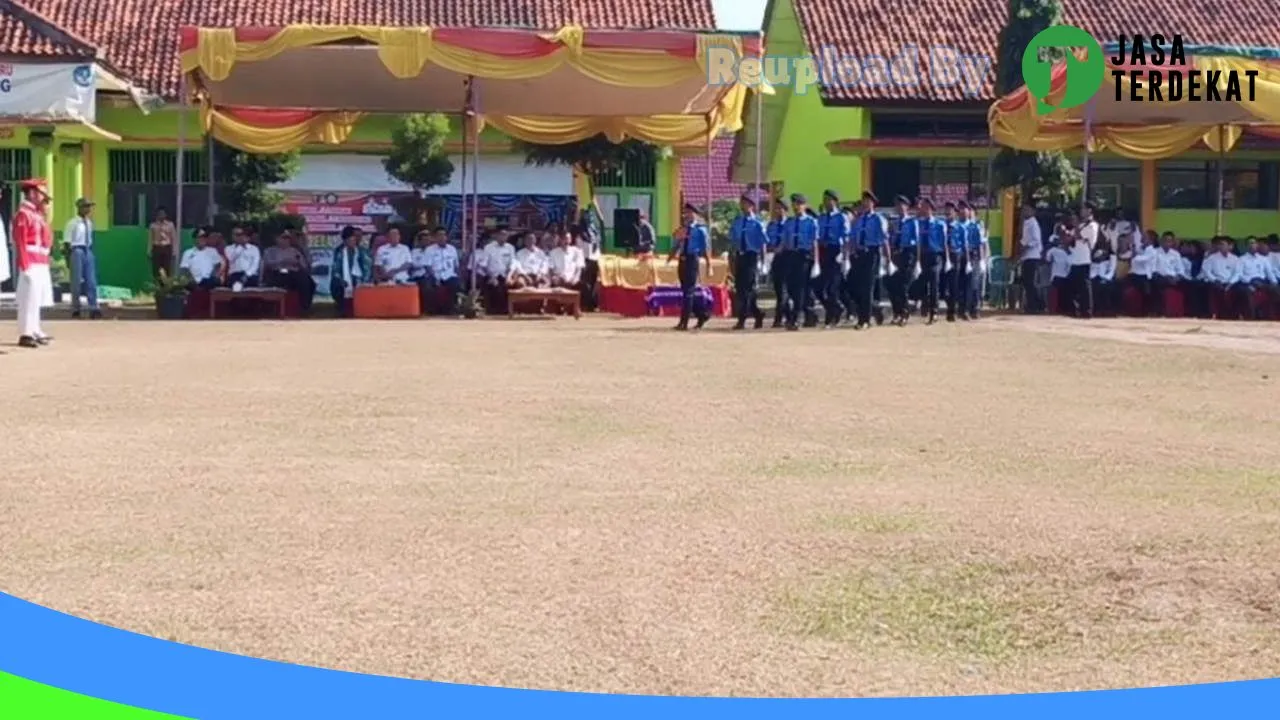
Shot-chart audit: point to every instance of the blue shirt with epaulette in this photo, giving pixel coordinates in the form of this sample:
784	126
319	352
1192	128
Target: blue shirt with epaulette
835	227
933	232
695	239
955	236
973	235
748	233
774	233
800	232
905	234
871	231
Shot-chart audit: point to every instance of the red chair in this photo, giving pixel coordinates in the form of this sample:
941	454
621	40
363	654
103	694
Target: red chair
1175	305
1220	305
198	304
1054	300
1131	301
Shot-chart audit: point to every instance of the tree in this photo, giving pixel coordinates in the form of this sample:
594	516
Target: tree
593	156
1047	177
245	179
418	157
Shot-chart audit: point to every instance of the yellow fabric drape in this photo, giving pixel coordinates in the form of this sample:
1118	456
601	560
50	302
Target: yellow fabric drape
640	274
323	129
1024	129
672	130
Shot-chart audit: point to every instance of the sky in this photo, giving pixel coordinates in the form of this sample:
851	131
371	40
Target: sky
738	14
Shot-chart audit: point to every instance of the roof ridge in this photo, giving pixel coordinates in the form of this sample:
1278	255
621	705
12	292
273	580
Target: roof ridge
49	29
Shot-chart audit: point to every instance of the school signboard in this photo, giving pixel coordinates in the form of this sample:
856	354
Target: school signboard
47	91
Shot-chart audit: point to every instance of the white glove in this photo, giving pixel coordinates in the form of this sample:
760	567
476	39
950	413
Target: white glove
815	271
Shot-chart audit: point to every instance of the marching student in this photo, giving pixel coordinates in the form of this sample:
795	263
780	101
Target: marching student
933	250
955	269
1168	270
778	267
1217	273
1059	269
834	229
748	236
868	246
1102	277
904	250
802	238
978	258
1253	273
694	246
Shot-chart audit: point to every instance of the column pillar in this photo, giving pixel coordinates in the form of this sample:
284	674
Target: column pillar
1150	183
72	186
43	149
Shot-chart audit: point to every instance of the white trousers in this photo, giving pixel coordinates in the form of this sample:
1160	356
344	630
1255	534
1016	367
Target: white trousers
35	290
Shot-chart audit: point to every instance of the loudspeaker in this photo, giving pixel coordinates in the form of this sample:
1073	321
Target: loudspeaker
626	228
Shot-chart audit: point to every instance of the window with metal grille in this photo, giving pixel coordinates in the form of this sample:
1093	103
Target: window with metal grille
630	175
143	181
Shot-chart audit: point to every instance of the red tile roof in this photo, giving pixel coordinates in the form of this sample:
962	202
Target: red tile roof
140	37
867	28
25	33
693	174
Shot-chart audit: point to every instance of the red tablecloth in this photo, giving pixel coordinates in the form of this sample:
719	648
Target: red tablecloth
632	303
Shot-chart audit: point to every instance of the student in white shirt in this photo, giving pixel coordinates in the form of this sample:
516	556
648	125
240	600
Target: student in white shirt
567	263
1029	260
531	268
1270	251
442	273
418	270
1141	268
81	261
393	261
1253	273
1102	277
244	260
202	262
1217	274
1082	243
1167	271
1059	268
497	258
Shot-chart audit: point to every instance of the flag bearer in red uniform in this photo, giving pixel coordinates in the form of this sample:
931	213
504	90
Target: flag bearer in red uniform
33	244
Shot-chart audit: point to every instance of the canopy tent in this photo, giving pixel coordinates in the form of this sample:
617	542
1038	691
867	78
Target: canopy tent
274	89
1148	129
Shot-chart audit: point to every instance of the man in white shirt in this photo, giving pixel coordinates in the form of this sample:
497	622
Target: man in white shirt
1082	243
442	272
497	260
1059	269
81	261
1029	259
588	233
567	263
419	271
244	260
1102	276
531	268
202	262
1253	273
1167	271
1217	273
1270	251
393	261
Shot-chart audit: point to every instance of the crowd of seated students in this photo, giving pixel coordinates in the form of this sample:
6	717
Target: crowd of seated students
552	259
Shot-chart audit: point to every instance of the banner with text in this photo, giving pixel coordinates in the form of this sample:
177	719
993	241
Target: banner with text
53	91
327	213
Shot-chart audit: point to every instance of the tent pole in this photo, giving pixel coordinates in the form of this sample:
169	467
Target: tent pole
760	128
1088	142
468	243
180	170
707	169
475	164
211	201
1222	161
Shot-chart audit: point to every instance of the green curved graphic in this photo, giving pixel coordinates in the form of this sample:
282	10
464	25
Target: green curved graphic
22	699
1084	75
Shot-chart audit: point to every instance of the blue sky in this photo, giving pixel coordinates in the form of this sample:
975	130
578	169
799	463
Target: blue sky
738	14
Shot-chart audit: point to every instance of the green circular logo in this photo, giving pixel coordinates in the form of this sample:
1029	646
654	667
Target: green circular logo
1084	76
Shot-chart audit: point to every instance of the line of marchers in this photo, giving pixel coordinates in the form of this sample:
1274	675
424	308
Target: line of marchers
1177	82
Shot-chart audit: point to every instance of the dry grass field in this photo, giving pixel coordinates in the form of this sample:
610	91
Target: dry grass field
603	505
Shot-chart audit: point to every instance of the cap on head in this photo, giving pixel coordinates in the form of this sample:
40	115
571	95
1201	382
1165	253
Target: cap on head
901	200
35	184
83	203
831	195
691	208
964	205
748	201
799	199
868	195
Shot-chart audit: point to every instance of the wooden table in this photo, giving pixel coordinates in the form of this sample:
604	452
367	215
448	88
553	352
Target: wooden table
268	296
546	298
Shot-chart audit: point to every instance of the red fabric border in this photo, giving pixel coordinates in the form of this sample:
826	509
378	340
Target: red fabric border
269	118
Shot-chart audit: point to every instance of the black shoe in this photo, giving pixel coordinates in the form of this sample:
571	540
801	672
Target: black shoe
27	341
880	319
95	314
951	318
931	320
75	314
681	327
740	325
965	317
861	326
792	327
777	322
702	322
759	321
44	339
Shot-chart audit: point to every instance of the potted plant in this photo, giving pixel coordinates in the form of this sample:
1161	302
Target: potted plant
469	305
60	275
170	292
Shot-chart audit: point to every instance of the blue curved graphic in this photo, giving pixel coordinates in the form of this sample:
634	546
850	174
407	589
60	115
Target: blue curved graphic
94	660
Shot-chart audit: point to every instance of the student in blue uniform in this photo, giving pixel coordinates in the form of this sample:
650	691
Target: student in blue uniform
977	255
748	236
778	266
801	235
933	248
904	251
957	267
868	245
693	247
834	233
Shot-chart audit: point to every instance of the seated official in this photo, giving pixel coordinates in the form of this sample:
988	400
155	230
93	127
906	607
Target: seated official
567	263
244	260
498	258
1253	273
1217	274
531	268
1102	276
284	267
1059	261
1271	255
418	271
1167	272
350	268
203	262
442	264
393	261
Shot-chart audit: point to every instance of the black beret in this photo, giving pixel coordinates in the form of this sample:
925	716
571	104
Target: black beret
950	205
868	195
748	200
963	205
780	203
902	200
922	200
690	207
799	199
831	194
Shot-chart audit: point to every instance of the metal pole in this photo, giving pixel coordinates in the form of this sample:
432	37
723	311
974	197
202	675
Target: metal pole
1222	160
181	169
211	201
475	157
468	243
1088	137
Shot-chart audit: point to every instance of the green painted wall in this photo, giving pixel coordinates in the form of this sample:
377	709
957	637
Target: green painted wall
1202	224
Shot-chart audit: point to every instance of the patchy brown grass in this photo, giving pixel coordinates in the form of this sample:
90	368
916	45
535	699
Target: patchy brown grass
603	505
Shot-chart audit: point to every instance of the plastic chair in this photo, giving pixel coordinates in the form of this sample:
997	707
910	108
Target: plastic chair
999	277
